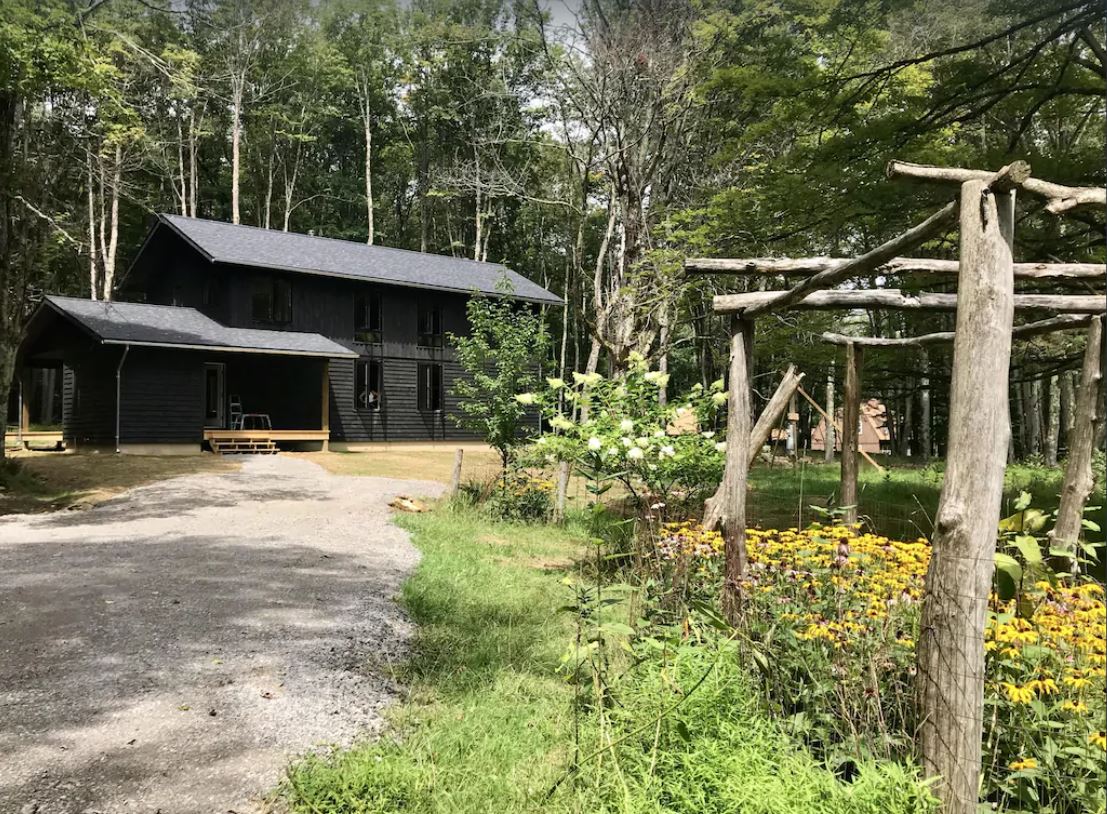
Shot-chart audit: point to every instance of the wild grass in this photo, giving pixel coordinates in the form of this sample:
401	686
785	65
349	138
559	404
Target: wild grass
488	723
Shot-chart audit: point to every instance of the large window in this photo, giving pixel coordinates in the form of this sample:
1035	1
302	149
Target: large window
272	300
367	319
430	326
368	384
430	387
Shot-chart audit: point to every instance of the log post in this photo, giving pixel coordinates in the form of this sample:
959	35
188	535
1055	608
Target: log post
828	434
950	688
455	478
736	473
793	429
562	491
759	436
1079	480
851	421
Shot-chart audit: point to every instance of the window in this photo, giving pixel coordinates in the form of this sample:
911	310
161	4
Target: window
272	300
367	319
430	387
430	326
368	384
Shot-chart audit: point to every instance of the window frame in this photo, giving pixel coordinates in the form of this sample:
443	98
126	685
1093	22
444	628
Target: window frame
271	287
427	372
434	338
364	380
368	318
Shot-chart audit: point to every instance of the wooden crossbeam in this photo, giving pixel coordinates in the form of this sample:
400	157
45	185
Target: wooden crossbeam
754	266
1065	322
894	299
1059	198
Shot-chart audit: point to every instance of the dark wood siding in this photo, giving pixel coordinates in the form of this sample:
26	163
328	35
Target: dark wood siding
88	397
289	389
163	397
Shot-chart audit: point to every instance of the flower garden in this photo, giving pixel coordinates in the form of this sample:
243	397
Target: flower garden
831	612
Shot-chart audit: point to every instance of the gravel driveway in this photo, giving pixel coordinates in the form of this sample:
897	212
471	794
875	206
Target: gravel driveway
170	650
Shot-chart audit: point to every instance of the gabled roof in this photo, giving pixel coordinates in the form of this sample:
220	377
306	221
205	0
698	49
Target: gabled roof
170	326
289	251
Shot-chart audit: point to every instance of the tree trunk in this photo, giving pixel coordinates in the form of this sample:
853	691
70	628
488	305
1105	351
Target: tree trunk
93	254
851	421
1023	449
924	406
1031	400
236	140
368	122
950	688
736	472
110	251
828	435
1079	479
1053	422
1068	406
908	425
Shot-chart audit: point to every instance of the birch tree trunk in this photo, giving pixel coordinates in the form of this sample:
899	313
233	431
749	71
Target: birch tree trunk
924	406
1053	422
950	684
828	435
1079	479
851	419
236	140
93	253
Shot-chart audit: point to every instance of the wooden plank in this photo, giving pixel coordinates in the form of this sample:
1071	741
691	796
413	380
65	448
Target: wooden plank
894	299
768	266
950	688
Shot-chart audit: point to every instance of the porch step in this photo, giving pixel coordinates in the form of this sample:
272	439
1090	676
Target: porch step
260	445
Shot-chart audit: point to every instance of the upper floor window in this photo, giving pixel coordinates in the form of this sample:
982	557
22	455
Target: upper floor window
272	300
367	319
430	326
430	387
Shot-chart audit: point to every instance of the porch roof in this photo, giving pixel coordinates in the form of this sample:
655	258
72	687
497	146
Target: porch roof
170	326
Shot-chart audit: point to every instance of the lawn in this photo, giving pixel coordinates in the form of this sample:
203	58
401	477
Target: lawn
48	481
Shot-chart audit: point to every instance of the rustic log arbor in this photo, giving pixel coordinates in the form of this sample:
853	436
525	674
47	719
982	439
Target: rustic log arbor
951	642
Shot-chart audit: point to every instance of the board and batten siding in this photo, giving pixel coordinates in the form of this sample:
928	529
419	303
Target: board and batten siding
163	397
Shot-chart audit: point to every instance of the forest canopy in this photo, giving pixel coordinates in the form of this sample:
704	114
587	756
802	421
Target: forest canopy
590	147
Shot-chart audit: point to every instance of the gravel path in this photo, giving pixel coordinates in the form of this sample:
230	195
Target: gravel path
170	650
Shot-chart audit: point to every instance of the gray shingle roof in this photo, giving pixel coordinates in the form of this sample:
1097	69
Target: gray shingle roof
289	251
132	323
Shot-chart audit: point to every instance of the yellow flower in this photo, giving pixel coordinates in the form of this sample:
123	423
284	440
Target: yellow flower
1025	763
1019	695
1074	706
1098	739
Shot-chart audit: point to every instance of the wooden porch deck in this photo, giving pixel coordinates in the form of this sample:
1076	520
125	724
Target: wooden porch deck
48	439
259	442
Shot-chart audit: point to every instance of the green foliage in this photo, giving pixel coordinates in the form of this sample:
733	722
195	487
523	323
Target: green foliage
623	434
501	357
522	497
488	718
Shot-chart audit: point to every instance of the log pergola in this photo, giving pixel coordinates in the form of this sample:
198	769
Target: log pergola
950	652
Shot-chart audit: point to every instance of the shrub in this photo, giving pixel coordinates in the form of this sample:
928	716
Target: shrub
521	496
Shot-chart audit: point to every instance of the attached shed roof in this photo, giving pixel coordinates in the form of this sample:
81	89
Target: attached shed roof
130	323
288	251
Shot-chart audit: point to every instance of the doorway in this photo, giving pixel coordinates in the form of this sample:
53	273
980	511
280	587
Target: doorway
215	411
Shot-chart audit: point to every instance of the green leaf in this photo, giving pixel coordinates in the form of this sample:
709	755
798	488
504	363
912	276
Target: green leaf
681	729
1029	548
1008	576
1023	502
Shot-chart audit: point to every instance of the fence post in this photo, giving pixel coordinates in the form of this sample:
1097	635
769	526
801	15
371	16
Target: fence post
950	689
455	479
736	473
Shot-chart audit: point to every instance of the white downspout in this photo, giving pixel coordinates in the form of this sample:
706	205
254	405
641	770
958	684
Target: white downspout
118	390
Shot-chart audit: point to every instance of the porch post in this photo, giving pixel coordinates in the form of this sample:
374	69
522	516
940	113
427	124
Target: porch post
325	401
24	405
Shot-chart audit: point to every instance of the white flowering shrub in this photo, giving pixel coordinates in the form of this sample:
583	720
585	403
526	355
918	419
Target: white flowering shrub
662	455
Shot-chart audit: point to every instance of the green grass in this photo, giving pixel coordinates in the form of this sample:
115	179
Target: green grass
487	726
901	502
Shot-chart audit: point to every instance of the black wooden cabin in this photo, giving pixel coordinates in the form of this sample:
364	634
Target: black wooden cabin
221	329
